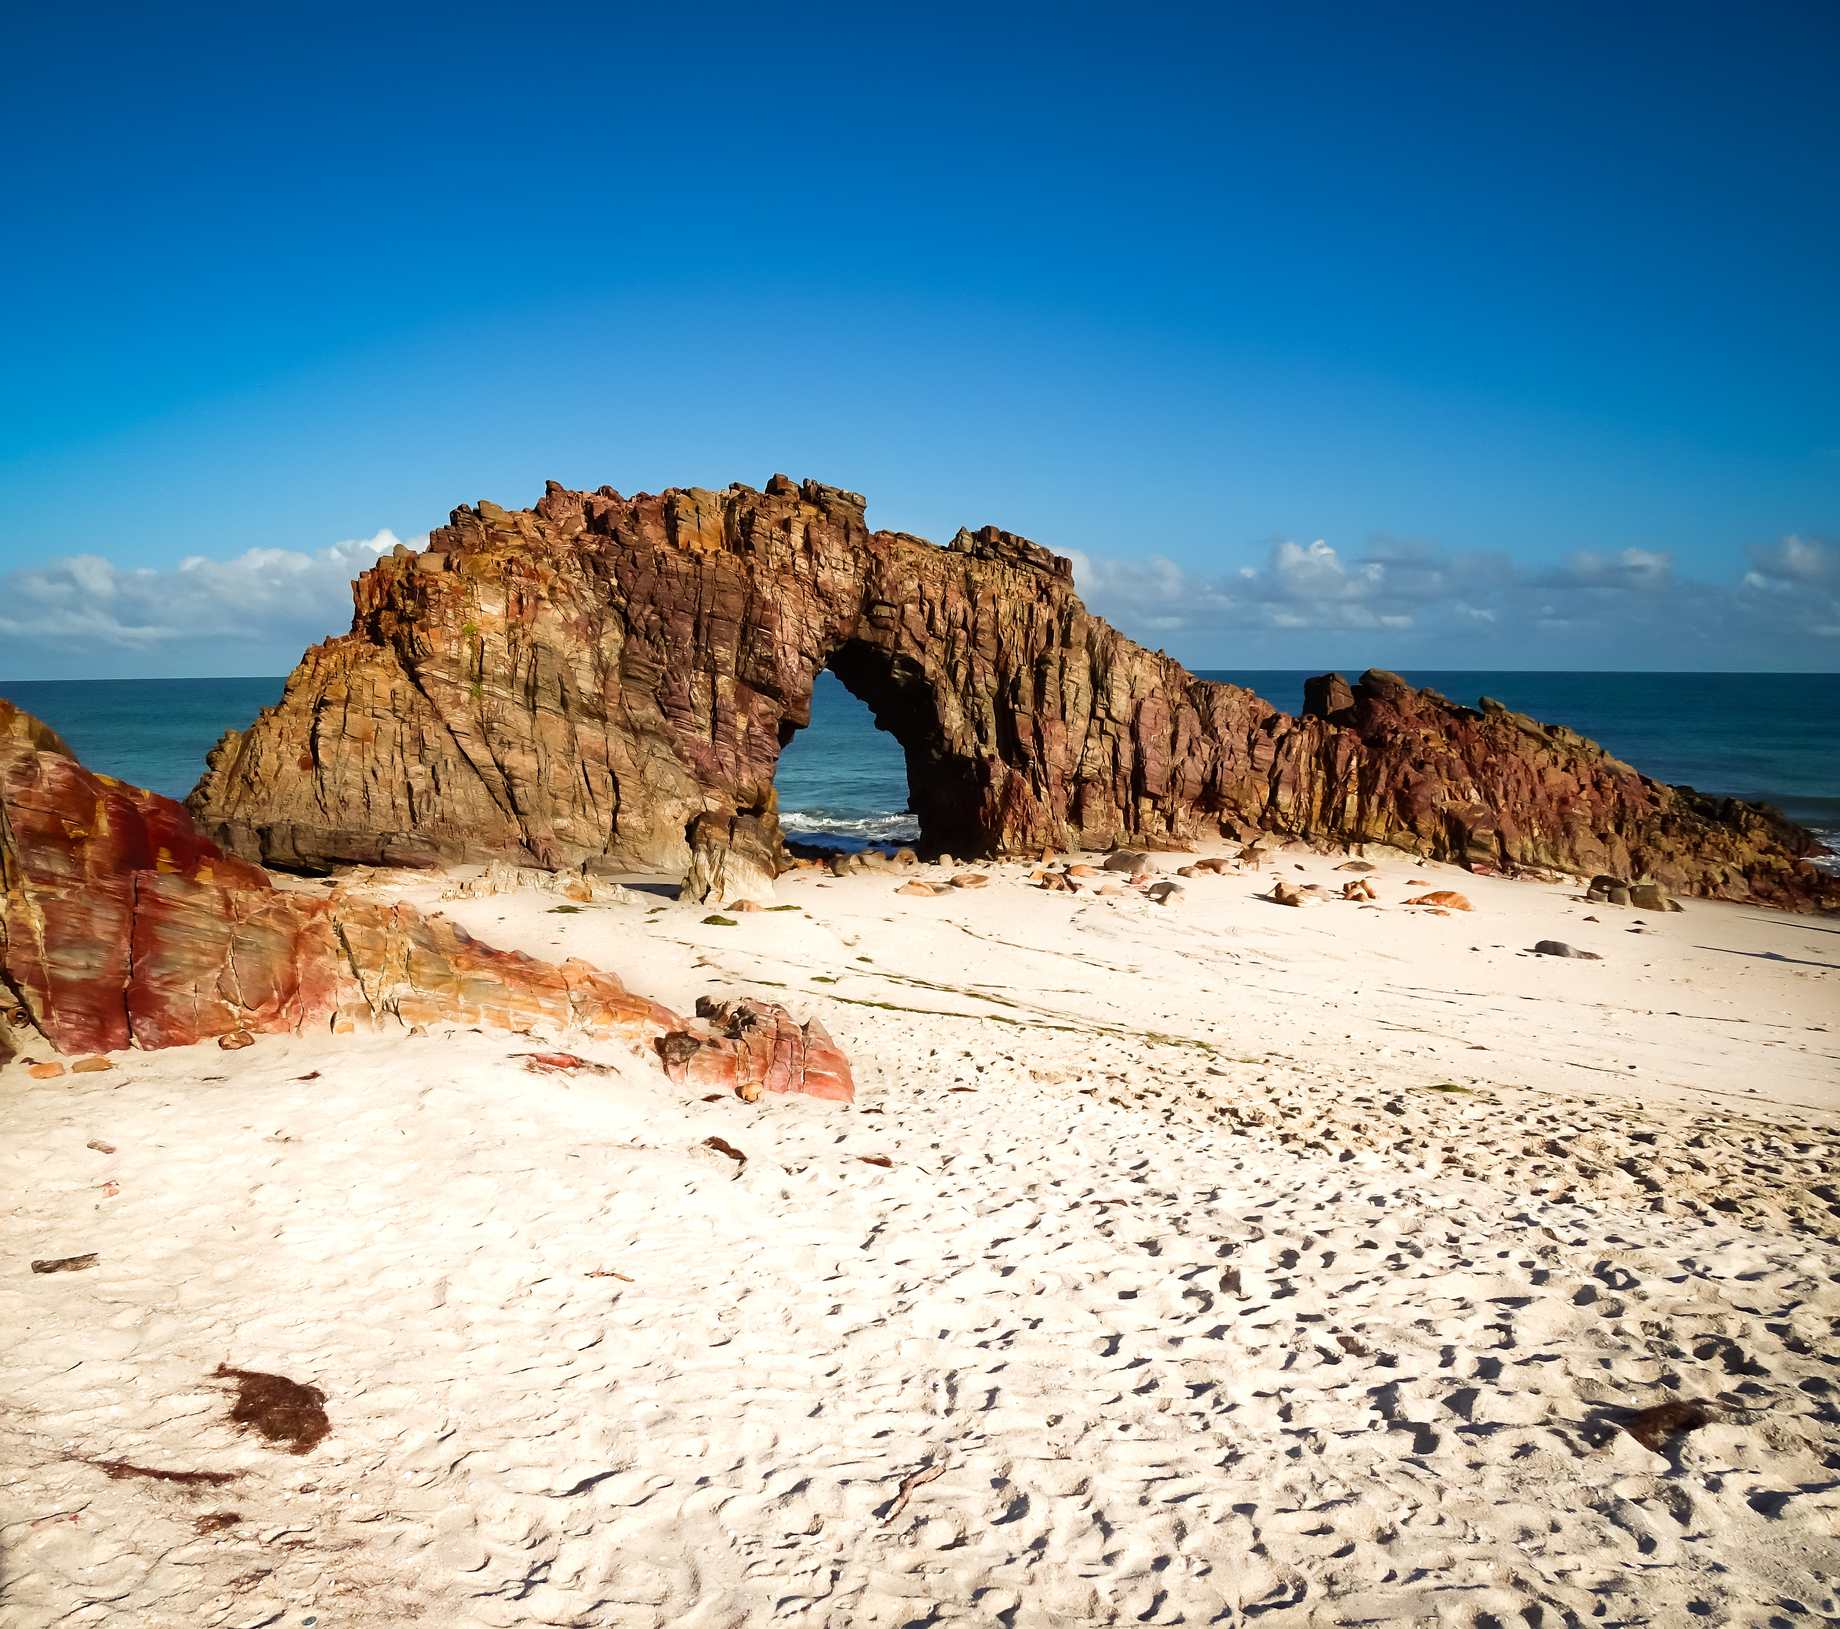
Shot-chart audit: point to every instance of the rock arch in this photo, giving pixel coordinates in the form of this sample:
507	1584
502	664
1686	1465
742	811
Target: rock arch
941	782
573	684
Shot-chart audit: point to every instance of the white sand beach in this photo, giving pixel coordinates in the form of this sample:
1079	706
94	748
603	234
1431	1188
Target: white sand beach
1204	1263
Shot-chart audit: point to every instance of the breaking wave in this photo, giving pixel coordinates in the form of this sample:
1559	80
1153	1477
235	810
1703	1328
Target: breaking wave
1829	862
828	828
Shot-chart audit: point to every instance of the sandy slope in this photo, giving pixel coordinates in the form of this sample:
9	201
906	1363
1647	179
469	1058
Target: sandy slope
1205	1303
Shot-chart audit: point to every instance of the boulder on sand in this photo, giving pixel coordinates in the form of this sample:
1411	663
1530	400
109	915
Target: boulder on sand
756	1044
1649	895
731	857
1309	893
1444	899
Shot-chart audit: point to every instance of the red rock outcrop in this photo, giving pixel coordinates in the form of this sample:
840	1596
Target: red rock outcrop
576	683
765	1048
121	926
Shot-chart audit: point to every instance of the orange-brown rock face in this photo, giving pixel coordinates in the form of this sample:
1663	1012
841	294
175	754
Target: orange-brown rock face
765	1048
577	682
120	925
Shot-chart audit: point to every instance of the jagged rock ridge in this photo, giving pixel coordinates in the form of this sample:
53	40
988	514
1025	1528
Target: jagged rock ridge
574	684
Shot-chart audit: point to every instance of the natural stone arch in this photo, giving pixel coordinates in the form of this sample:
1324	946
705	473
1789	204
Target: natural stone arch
573	684
942	783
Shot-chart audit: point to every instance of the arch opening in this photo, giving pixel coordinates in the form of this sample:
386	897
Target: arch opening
840	781
875	766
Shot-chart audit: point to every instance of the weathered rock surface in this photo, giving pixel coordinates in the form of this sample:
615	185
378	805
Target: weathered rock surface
500	878
1131	863
758	1044
1309	893
120	925
578	682
731	857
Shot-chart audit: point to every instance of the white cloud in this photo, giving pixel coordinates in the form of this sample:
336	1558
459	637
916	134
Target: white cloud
84	617
1413	603
1401	602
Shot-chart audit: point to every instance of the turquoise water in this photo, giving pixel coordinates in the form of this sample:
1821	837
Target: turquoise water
147	732
1772	737
1760	737
843	782
1769	737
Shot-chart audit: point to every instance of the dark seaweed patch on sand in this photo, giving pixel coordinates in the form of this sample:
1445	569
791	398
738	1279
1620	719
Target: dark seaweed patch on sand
119	1470
1655	1427
283	1410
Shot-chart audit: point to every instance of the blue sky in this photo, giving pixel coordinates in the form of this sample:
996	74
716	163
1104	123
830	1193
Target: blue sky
1322	334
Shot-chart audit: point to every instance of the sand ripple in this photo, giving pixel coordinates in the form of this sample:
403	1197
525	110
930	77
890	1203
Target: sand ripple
1189	1346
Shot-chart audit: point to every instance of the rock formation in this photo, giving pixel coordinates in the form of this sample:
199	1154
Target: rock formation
121	926
731	857
575	684
762	1050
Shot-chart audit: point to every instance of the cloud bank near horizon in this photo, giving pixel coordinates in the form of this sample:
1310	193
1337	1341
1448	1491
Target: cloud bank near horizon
1397	603
82	617
1408	604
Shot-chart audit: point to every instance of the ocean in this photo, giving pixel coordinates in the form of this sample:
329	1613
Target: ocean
1757	736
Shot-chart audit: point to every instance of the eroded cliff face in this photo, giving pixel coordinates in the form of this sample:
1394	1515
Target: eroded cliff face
575	683
121	925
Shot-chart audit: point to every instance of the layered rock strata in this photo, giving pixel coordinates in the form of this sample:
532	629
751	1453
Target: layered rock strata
576	683
120	925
